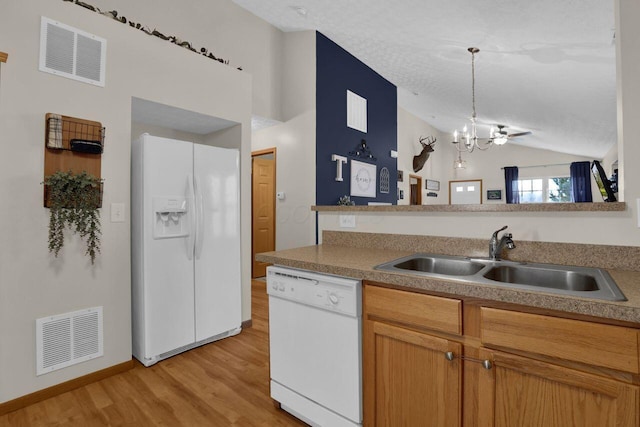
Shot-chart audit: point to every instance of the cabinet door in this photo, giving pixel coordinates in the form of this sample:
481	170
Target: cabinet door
518	391
407	379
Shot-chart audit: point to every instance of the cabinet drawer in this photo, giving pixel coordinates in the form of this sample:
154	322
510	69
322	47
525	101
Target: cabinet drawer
614	347
427	311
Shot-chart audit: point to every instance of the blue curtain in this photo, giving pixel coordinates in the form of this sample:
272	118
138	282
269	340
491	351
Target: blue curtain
511	184
581	182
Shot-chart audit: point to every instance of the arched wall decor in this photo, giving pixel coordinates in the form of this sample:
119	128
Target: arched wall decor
384	180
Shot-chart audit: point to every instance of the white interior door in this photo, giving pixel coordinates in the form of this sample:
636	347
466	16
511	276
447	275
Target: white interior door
168	269
465	192
217	258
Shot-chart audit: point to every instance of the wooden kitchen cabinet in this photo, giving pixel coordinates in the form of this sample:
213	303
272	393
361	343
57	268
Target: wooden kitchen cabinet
521	391
587	374
411	382
407	379
543	370
588	343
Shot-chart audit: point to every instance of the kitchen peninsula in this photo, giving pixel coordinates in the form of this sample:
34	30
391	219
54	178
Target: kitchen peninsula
466	354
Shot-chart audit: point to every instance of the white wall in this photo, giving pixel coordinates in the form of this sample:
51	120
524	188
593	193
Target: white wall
614	228
295	141
439	165
628	102
33	284
225	138
227	30
609	162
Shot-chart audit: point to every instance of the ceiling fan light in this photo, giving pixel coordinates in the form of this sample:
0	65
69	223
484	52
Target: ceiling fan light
500	140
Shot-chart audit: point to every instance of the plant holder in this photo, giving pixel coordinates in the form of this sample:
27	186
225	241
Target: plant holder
70	204
74	200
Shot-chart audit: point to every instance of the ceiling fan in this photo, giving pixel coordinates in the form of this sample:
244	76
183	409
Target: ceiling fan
501	136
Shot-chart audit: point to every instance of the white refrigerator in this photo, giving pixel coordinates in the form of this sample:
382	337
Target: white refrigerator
185	233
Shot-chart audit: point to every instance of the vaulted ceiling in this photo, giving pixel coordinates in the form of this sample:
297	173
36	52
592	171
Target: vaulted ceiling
545	66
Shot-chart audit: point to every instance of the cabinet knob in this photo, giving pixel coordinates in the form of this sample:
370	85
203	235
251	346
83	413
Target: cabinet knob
486	364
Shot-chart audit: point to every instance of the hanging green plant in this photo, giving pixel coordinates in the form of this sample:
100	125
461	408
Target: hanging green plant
74	200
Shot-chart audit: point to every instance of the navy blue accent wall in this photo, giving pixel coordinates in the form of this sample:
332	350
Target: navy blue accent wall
336	72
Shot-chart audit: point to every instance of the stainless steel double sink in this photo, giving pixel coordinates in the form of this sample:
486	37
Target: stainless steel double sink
567	280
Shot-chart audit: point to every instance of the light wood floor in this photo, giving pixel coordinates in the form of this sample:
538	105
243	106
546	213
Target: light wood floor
225	383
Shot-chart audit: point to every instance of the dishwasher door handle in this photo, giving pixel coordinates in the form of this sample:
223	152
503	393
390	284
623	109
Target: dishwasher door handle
291	276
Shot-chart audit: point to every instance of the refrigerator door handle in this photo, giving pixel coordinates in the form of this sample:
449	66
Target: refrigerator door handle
190	196
199	217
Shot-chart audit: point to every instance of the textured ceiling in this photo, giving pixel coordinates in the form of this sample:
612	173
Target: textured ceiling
545	66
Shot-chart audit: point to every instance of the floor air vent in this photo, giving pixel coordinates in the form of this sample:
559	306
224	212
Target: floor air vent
68	52
67	339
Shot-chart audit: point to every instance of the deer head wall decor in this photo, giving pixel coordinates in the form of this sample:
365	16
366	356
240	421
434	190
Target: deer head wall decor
427	149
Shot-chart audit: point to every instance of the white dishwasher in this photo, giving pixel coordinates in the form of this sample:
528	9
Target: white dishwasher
315	324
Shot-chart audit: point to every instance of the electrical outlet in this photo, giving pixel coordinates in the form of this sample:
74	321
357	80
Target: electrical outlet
348	221
117	212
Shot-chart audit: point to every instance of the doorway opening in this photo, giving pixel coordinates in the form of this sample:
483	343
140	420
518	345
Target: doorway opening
415	185
263	207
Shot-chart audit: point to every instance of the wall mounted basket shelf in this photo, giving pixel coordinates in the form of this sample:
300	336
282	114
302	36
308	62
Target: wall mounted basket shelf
72	144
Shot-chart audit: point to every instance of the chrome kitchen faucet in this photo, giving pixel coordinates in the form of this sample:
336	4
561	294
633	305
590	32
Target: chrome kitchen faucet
496	246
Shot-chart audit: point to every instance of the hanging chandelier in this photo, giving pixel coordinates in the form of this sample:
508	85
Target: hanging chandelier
468	139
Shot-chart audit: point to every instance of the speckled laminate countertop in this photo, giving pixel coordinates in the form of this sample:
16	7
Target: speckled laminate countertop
484	207
358	262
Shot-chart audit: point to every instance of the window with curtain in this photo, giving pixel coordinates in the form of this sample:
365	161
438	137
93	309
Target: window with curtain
581	182
511	184
544	189
555	187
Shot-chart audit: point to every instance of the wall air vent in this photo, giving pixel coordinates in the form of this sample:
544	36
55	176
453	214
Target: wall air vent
66	339
68	52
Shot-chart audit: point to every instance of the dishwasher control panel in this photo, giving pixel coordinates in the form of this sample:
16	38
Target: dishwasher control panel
333	293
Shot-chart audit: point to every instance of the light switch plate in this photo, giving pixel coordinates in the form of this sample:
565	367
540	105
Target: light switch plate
117	212
638	211
348	221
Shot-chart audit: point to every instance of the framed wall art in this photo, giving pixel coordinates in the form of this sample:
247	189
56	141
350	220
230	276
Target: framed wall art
363	179
494	194
432	185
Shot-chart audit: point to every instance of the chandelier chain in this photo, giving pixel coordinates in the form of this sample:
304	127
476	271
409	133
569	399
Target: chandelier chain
473	84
